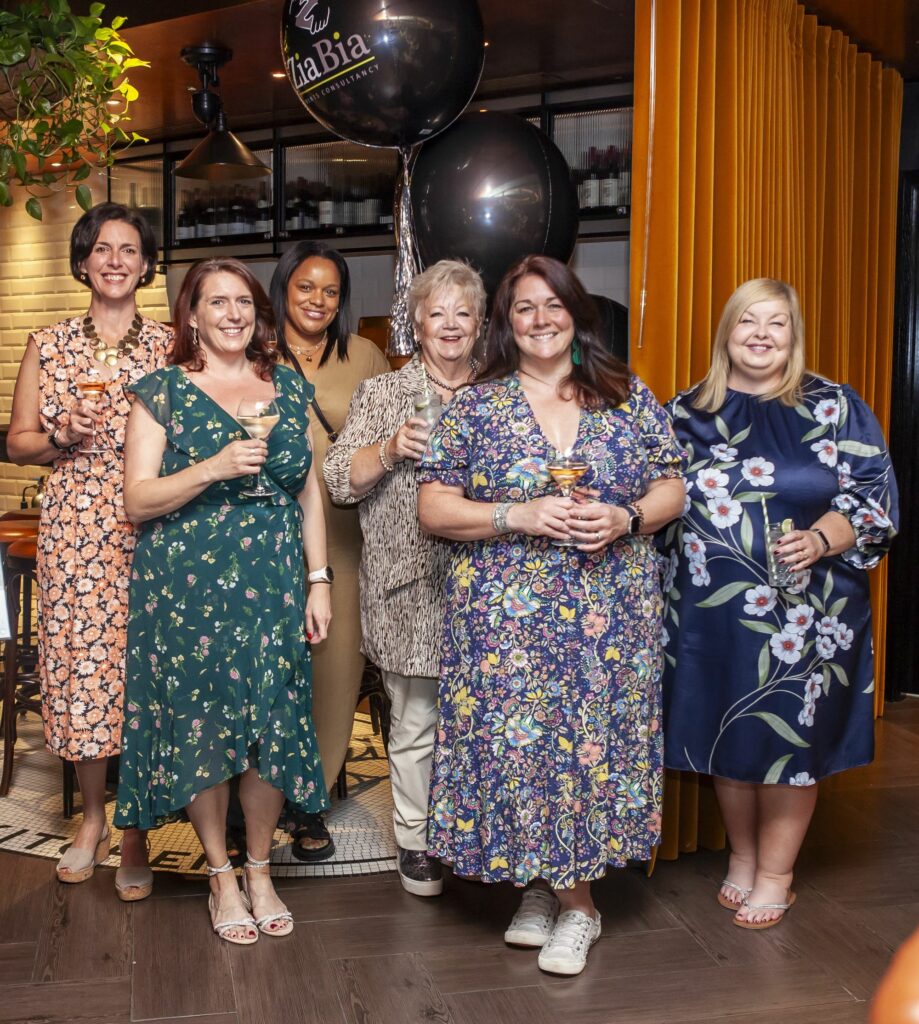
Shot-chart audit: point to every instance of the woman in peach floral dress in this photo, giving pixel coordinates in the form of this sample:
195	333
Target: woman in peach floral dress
85	542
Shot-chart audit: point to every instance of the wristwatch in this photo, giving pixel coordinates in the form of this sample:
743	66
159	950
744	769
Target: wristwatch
323	575
53	441
636	519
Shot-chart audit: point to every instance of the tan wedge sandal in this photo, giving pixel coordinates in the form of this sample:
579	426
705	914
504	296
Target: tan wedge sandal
78	865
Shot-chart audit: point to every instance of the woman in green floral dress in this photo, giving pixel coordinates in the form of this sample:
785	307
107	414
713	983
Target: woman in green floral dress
218	663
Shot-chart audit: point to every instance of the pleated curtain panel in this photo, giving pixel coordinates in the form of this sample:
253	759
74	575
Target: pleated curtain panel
765	145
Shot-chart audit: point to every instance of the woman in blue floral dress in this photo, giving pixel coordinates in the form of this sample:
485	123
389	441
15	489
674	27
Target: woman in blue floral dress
547	765
771	688
218	662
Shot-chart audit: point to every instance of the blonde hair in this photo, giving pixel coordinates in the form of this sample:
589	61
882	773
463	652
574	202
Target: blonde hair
710	396
442	276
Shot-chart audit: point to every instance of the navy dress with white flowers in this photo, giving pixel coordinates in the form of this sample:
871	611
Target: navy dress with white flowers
764	684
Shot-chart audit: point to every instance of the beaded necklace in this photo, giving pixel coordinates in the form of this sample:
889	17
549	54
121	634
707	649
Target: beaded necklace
453	388
111	355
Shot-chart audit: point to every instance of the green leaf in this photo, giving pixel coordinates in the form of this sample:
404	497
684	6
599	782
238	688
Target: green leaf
117	21
857	448
756	496
84	197
840	673
837	606
828	586
780	726
33	208
82	173
816	432
763	664
722	428
759	627
775	772
746	534
826	679
740	436
724	595
5	198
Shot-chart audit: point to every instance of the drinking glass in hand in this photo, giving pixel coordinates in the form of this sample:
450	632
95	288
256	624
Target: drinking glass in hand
780	574
92	385
566	470
259	416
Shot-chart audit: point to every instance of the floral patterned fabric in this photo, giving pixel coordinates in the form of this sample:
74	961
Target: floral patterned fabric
548	755
85	547
218	663
765	684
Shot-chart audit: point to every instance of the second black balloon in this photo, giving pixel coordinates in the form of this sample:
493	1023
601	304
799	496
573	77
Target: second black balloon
491	189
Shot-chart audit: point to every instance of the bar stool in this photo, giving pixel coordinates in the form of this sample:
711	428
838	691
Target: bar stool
373	692
20	679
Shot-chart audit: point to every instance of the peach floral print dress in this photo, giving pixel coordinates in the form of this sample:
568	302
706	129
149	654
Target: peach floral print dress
85	548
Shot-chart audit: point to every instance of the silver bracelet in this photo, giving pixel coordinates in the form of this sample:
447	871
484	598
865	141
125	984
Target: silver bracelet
499	517
384	458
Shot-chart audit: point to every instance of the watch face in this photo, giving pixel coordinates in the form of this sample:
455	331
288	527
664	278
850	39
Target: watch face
329	574
634	524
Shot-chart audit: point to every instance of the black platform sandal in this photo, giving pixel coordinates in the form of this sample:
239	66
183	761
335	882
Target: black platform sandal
313	828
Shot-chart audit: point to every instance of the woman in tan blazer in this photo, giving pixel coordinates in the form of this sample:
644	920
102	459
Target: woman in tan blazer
309	292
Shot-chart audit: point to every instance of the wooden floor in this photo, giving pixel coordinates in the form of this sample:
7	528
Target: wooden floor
364	952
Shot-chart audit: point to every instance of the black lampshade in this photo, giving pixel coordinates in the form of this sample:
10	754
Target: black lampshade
220	156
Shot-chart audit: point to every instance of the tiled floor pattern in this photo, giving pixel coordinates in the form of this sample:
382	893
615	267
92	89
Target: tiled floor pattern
361	826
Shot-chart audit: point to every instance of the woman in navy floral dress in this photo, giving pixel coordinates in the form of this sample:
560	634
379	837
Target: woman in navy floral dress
770	688
547	766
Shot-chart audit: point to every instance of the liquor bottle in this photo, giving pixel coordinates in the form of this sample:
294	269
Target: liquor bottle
311	206
263	214
625	176
591	187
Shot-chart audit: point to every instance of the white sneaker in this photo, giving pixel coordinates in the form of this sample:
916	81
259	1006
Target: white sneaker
566	951
532	925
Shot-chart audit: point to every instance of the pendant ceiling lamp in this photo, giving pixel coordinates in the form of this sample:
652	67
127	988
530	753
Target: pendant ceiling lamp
220	156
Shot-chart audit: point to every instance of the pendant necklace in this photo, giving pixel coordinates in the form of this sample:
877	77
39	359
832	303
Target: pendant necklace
308	353
111	355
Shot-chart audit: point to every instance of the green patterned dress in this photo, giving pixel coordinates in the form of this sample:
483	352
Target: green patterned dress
218	670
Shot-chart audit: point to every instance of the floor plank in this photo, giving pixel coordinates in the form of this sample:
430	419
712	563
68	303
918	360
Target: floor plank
285	979
383	989
17	959
68	1002
464	969
181	967
504	1006
76	911
28	883
683	996
835	1013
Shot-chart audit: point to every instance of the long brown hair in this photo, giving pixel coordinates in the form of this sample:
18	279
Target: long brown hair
261	349
601	379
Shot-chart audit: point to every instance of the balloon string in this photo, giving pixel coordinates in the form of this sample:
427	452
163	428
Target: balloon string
401	329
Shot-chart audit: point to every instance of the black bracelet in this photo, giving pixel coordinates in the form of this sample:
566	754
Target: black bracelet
822	536
53	441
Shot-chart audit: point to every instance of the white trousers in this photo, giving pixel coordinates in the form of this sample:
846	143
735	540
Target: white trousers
413	723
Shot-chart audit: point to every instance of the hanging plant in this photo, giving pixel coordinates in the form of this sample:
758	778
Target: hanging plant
64	97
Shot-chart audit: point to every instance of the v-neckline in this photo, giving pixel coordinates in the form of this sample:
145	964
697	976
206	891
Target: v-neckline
217	404
549	445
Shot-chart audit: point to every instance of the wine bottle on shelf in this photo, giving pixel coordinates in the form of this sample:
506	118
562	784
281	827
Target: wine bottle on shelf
625	177
207	225
592	182
222	213
609	186
263	215
291	207
236	218
326	212
185	227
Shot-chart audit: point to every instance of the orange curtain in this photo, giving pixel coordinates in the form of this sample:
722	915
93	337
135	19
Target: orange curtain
765	145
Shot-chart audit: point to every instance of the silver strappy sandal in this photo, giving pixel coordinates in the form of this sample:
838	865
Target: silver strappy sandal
285	919
728	903
224	928
758	925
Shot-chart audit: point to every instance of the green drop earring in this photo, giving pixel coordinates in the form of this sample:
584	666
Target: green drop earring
576	352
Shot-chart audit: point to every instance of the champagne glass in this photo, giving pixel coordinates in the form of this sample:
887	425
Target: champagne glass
258	416
566	470
92	385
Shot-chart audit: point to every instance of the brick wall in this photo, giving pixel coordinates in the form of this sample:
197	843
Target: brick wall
36	289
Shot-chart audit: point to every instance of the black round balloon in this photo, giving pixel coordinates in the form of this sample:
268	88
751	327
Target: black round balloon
383	72
492	189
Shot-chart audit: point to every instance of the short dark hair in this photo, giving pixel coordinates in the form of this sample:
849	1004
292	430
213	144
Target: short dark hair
261	349
600	379
87	228
339	329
